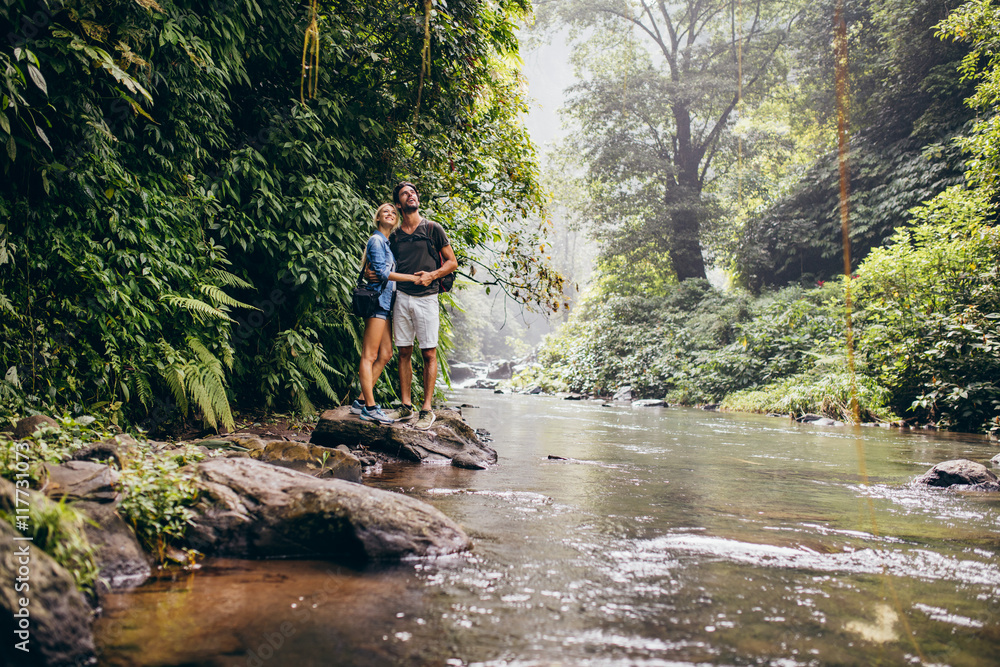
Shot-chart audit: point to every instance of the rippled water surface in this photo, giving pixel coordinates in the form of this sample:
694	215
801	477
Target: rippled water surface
669	537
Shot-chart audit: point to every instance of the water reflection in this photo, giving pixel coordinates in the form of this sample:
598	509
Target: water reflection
671	537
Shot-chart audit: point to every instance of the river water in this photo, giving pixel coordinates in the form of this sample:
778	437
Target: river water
670	537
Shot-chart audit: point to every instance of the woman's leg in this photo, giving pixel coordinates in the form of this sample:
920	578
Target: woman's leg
371	345
384	354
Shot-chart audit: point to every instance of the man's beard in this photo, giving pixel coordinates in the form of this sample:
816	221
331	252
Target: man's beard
410	208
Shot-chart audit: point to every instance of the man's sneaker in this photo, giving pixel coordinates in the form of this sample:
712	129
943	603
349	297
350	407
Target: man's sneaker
425	420
401	413
356	407
374	415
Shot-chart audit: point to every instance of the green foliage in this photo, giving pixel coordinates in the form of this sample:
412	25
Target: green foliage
158	490
827	392
47	445
57	529
932	313
906	106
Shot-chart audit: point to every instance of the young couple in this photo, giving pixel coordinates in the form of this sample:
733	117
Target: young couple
414	252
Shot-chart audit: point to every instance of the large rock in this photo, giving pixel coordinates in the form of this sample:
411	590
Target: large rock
459	372
251	509
623	394
58	619
121	560
449	436
27	426
81	480
310	459
501	370
958	471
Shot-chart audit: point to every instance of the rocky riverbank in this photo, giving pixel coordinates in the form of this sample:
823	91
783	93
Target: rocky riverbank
87	512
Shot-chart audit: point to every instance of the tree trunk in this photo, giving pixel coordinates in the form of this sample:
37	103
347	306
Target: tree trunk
685	248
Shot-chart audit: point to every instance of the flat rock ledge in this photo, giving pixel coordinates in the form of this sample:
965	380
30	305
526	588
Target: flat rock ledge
449	439
969	475
252	509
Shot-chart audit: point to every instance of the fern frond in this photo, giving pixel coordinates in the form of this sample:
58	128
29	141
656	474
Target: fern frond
195	306
228	279
218	296
174	377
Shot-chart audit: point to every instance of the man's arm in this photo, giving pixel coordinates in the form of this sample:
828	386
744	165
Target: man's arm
450	264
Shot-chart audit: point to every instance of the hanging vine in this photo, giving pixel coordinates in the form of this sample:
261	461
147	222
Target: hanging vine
310	55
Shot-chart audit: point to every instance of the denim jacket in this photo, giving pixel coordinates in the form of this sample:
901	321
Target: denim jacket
381	260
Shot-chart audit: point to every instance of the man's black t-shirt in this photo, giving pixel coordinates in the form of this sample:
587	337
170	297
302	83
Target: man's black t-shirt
413	253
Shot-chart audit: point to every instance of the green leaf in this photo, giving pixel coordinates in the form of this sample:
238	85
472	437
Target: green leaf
4	123
36	76
11	149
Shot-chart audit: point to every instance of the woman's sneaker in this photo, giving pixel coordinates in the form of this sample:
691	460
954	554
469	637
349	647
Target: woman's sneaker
424	421
374	415
356	407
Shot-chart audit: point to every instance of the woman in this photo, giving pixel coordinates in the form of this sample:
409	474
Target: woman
376	345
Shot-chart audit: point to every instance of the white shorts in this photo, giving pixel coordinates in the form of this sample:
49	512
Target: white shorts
415	315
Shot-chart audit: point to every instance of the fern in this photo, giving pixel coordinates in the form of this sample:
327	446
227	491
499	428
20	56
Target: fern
196	306
218	296
228	279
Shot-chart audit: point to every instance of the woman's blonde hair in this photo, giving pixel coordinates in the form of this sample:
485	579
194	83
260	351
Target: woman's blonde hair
378	214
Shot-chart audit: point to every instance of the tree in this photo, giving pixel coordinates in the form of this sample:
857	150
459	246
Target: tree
662	82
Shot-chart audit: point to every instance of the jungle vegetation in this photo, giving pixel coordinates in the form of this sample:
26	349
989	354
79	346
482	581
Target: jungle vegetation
922	105
187	185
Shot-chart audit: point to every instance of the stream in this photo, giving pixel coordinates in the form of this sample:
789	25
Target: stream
669	536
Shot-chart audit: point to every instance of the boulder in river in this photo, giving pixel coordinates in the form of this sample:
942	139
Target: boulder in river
623	394
251	509
958	472
121	560
459	372
501	370
649	403
448	437
81	480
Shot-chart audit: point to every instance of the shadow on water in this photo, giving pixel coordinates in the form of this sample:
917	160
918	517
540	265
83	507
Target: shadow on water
669	537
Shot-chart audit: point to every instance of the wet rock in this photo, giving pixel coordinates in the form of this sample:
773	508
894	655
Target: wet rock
711	407
27	426
499	391
483	383
818	420
251	509
574	397
463	460
121	559
649	403
957	471
623	394
995	460
459	372
58	615
81	480
449	436
311	459
501	370
534	390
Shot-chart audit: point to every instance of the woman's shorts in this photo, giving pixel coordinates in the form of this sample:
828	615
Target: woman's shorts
381	313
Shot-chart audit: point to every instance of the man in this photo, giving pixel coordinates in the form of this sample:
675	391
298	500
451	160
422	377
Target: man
422	248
